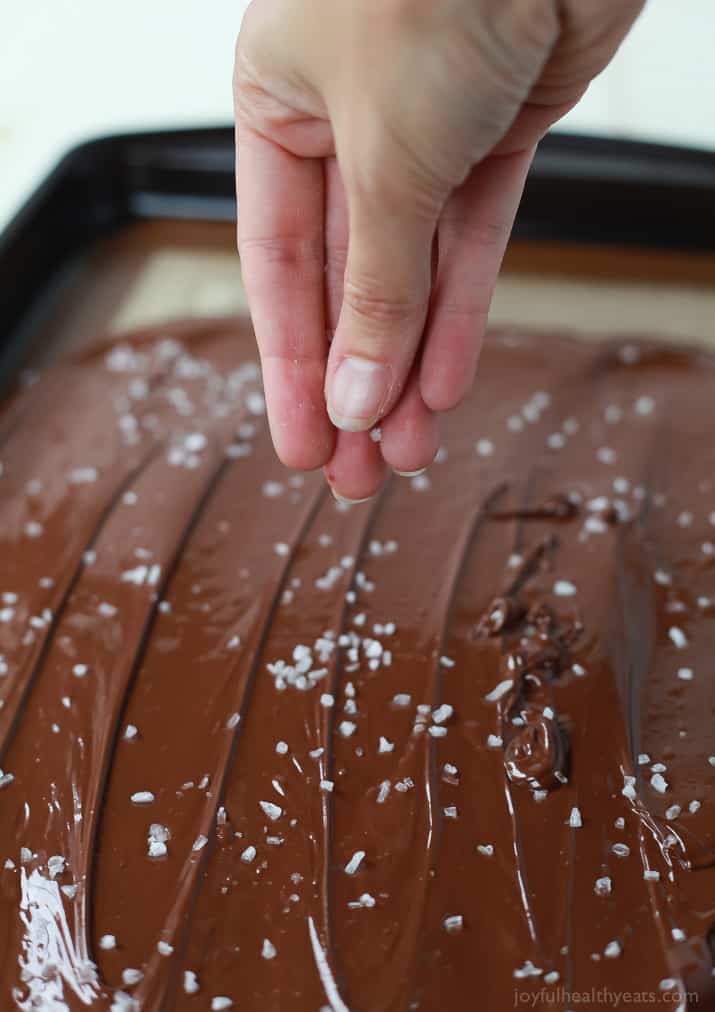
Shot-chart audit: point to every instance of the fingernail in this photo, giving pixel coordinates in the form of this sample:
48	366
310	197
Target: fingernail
341	500
358	391
410	474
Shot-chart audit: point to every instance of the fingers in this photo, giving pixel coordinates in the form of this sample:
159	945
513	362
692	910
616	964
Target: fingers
473	233
385	297
410	434
336	243
281	249
356	470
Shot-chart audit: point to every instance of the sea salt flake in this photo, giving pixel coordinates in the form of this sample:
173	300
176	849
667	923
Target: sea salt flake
108	942
494	741
677	637
355	861
620	849
142	798
484	447
603	886
131	976
272	811
269	950
499	690
651	875
453	924
575	820
486	849
658	783
564	588
613	950
384	745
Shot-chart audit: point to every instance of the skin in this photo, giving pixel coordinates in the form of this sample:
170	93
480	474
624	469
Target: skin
382	148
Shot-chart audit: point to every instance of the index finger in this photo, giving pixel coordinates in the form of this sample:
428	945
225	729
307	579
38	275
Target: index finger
281	246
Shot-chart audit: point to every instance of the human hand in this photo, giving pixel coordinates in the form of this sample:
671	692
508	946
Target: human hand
382	148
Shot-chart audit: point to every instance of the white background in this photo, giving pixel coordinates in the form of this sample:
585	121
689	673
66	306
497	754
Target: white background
72	69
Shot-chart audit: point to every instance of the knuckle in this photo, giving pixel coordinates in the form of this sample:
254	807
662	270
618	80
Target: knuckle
297	254
372	304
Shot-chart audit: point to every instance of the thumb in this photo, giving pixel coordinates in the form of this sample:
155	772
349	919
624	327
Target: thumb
386	293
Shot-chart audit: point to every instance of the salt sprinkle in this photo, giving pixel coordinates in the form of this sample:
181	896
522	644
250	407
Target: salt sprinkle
355	861
499	690
487	849
346	728
453	924
199	843
402	699
436	731
442	713
281	747
142	798
272	811
191	982
603	886
220	1002
613	950
650	875
130	976
685	674
678	935
575	820
552	977
108	942
658	783
269	950
677	637
384	745
564	588
620	849
163	948
494	741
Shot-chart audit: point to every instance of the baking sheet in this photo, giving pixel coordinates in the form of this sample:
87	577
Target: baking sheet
151	272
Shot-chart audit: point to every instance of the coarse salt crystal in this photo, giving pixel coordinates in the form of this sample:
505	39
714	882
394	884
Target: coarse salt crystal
658	783
677	637
268	950
355	861
191	982
384	745
108	942
575	820
142	798
494	741
499	690
603	886
564	588
613	950
487	849
272	811
453	924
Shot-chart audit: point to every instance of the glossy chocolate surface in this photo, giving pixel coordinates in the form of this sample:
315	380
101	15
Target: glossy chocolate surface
454	749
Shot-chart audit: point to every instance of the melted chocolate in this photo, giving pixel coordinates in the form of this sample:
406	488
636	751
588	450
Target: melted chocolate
451	749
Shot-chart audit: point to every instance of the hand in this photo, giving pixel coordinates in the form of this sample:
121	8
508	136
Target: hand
382	151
